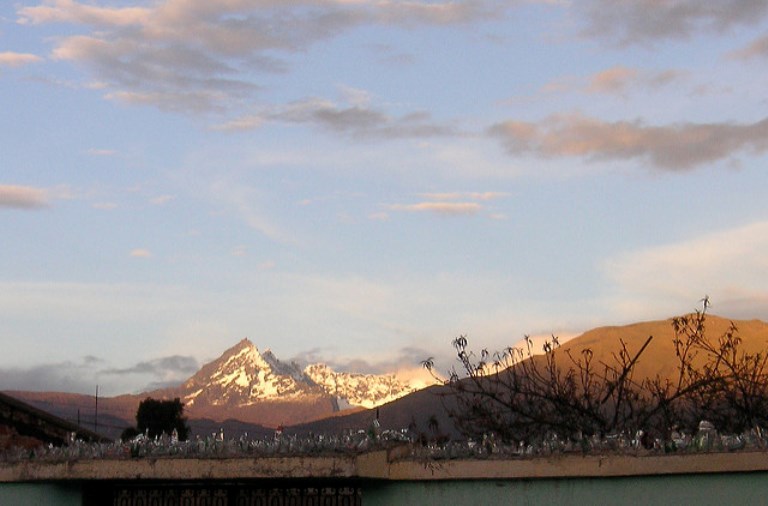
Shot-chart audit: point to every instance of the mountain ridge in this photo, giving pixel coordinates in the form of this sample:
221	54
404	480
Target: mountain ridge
242	384
426	411
244	376
320	411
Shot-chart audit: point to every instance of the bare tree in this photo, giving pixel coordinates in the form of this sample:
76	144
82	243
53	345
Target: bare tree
519	395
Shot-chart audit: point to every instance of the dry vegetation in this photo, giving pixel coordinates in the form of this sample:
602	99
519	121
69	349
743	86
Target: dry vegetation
586	390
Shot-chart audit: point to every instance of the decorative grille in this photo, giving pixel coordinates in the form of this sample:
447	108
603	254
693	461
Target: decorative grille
228	495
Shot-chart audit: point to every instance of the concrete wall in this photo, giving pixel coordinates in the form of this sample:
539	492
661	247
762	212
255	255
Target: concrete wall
40	494
717	479
698	490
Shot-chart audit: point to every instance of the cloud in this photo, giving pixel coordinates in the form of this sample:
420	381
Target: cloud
446	208
647	21
355	117
675	147
485	196
175	365
266	265
380	216
359	119
619	79
105	206
757	49
729	265
83	375
141	253
405	364
243	123
198	56
246	202
615	80
67	376
22	197
11	59
162	199
101	152
449	203
69	11
403	358
385	53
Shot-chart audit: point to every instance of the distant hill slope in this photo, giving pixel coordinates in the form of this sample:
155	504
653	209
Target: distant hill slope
658	358
260	392
242	384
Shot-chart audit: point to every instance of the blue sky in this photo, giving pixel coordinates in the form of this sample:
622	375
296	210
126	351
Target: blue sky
359	181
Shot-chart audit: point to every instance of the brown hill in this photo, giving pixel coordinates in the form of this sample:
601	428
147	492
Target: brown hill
114	413
118	413
415	410
658	358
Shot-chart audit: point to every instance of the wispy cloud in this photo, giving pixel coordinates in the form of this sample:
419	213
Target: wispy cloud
448	203
405	361
141	253
197	55
672	147
82	376
177	366
728	265
101	152
246	202
67	376
11	59
105	206
620	79
485	196
362	120
617	80
22	197
355	116
162	199
647	21
241	124
447	208
613	80
379	216
756	49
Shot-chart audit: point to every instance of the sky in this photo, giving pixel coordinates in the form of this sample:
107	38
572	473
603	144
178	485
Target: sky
360	181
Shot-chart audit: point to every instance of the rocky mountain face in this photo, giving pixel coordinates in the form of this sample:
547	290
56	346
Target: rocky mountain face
365	390
256	388
246	384
243	376
243	385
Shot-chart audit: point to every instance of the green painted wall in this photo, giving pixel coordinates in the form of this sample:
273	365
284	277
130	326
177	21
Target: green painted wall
39	494
698	490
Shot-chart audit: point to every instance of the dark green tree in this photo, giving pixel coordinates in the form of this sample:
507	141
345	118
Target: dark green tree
155	417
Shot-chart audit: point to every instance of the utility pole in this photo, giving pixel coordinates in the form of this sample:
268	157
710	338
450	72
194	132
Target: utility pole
96	412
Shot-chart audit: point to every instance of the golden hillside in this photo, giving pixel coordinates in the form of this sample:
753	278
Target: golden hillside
659	357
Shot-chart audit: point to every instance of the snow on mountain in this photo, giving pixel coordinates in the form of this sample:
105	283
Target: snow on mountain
245	377
366	390
293	369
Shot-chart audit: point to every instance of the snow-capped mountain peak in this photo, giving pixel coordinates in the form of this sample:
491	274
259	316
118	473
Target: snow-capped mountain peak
244	377
366	390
